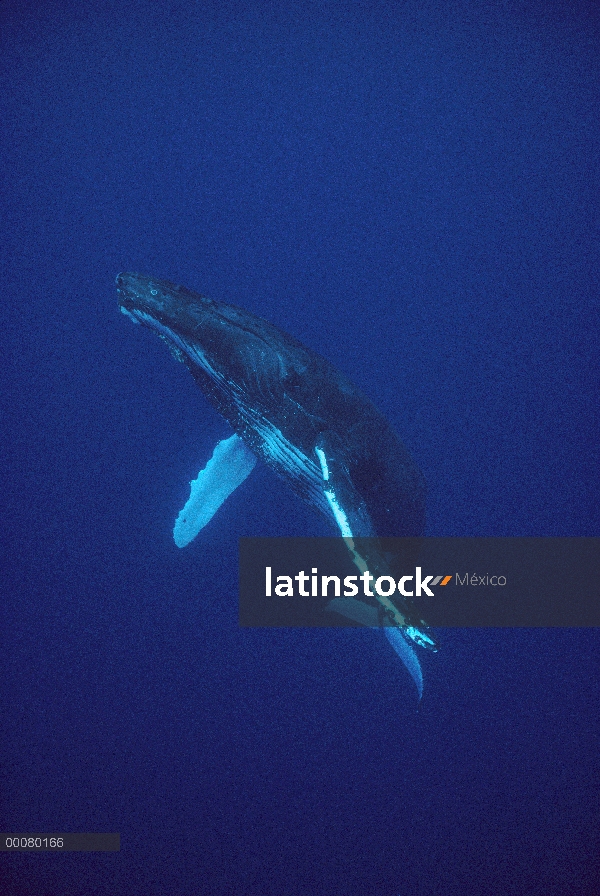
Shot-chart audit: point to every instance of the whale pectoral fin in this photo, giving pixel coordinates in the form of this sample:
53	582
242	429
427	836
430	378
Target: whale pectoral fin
354	522
347	506
407	655
368	616
230	464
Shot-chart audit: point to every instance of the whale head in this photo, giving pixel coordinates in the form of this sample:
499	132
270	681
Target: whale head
244	358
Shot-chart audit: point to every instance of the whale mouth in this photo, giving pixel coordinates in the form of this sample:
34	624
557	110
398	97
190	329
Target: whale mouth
132	315
175	344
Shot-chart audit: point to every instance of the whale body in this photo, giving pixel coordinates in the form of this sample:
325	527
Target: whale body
292	409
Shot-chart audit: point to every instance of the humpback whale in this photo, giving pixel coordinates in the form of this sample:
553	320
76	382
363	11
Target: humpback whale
292	409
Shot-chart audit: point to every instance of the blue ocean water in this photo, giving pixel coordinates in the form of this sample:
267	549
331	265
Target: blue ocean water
412	189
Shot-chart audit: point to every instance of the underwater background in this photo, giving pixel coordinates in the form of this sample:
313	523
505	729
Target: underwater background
413	190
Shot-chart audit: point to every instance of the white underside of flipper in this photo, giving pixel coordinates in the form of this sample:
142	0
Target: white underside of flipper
354	609
231	463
